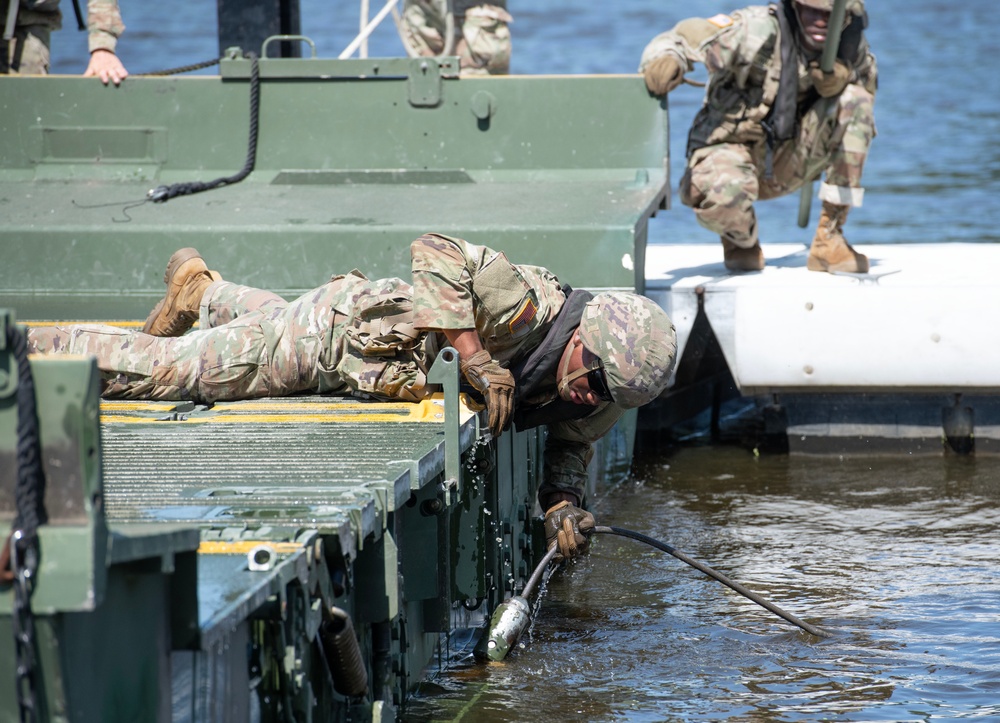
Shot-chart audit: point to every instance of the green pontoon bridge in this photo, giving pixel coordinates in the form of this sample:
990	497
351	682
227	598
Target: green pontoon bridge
304	558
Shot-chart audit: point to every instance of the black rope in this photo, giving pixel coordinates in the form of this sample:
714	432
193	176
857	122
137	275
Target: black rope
29	494
181	69
22	546
715	574
161	194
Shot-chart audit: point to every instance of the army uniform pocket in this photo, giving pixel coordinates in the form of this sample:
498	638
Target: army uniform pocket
508	305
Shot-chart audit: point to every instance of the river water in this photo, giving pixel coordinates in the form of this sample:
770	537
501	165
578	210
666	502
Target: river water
896	556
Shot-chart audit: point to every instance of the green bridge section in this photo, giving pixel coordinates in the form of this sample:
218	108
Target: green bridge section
354	160
231	548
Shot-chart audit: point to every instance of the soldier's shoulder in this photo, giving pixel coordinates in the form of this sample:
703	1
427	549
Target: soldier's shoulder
755	15
756	23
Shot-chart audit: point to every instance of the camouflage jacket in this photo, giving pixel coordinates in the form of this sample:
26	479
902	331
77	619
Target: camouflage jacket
742	53
104	20
458	285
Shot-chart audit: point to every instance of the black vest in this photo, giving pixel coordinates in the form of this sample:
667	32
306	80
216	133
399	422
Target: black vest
531	373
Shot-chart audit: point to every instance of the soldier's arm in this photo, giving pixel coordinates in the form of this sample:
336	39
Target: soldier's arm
565	472
687	40
867	69
104	23
442	269
568	451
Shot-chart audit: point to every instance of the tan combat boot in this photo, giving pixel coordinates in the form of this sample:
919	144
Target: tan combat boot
738	258
830	250
186	278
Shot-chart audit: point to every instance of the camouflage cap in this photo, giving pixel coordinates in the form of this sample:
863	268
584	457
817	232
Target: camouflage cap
634	339
854	7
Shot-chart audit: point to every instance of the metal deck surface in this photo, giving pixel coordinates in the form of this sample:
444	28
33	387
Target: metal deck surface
332	465
318	461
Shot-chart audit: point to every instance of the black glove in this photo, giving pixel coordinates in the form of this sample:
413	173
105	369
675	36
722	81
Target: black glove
832	83
495	383
570	528
663	74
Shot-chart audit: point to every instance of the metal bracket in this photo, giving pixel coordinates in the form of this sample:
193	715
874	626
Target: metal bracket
424	83
445	371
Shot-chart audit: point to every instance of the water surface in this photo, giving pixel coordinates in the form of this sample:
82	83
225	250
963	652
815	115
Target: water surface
896	557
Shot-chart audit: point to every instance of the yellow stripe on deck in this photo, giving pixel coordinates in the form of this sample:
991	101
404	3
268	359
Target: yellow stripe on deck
276	411
243	547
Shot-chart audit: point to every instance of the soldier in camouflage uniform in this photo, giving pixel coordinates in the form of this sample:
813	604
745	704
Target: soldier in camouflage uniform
26	50
537	352
772	120
478	32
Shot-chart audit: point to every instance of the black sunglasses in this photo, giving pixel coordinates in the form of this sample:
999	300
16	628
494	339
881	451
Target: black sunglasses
599	383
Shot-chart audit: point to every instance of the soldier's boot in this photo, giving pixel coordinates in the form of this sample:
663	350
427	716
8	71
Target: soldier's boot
738	258
830	250
186	278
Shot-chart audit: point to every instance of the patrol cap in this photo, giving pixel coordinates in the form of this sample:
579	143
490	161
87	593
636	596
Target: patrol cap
635	341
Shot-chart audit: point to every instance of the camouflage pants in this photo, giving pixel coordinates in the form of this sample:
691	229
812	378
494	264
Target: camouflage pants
27	53
723	181
482	38
251	343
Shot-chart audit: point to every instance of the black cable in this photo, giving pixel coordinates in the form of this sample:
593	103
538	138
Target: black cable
812	629
162	194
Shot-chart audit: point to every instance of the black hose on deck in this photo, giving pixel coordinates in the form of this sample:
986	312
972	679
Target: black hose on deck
812	629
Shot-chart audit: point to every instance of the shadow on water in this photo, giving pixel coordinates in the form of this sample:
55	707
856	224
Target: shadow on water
894	555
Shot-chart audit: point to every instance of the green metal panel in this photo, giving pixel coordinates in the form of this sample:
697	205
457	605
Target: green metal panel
348	172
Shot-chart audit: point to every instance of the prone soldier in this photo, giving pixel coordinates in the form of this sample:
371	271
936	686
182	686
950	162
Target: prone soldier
537	351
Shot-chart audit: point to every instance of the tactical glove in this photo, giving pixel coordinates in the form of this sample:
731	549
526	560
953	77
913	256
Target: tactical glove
569	527
663	74
495	383
832	83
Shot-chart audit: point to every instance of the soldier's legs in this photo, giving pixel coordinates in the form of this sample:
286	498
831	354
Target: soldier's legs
835	136
224	301
481	37
257	354
203	366
721	185
485	45
27	53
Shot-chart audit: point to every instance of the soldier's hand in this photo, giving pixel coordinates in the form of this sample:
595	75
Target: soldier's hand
832	83
107	66
569	527
495	383
663	74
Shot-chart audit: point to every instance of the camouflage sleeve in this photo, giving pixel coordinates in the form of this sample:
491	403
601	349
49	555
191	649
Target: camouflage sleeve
104	24
867	69
569	449
690	40
443	268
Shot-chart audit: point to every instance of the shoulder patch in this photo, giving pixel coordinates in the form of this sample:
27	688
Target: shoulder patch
523	318
721	20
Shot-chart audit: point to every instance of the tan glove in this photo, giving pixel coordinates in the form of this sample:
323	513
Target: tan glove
832	83
570	528
663	74
495	383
